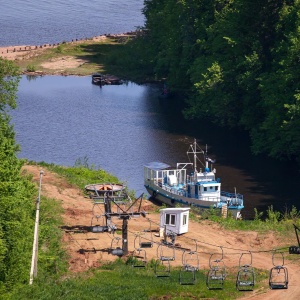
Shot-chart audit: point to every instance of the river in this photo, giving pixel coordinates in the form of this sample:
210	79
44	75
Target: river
37	22
121	128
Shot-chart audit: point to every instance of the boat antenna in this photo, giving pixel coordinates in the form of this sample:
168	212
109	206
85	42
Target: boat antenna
193	150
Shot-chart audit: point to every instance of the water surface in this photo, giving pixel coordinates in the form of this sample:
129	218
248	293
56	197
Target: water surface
122	128
36	22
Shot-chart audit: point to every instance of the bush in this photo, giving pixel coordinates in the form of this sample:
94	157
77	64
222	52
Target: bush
30	68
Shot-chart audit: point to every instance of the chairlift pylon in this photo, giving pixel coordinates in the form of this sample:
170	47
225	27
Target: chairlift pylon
217	272
245	279
278	278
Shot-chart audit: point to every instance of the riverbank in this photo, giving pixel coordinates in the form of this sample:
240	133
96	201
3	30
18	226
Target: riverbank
88	250
21	52
77	57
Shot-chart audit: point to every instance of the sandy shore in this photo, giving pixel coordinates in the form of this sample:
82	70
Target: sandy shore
20	51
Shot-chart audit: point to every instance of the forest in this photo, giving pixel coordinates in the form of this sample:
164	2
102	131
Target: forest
236	62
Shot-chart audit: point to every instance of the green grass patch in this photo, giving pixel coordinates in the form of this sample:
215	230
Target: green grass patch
269	220
81	174
119	280
52	258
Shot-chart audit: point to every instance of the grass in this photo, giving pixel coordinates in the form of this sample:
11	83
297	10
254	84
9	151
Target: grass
52	257
83	174
80	175
119	280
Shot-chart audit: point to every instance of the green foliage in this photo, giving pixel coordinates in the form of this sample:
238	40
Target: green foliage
31	68
59	49
16	192
9	81
82	173
282	223
52	259
237	62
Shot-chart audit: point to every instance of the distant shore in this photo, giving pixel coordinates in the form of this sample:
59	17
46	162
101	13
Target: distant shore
20	51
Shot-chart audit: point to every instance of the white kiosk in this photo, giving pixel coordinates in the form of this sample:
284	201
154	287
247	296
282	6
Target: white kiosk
175	220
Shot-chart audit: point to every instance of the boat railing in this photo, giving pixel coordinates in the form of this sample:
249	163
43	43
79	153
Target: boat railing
233	198
207	198
169	189
232	195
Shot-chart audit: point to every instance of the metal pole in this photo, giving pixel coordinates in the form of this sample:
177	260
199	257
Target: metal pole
125	235
33	270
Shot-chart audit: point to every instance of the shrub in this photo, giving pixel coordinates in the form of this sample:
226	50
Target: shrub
30	68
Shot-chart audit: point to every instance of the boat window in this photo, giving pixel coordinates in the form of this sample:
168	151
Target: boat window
211	187
184	220
170	219
205	189
171	172
216	188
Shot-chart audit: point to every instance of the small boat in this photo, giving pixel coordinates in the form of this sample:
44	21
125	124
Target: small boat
100	79
199	188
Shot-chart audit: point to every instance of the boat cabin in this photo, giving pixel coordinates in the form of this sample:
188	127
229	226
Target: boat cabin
163	174
175	220
205	185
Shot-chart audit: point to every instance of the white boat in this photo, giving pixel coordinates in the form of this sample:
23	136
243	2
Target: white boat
198	188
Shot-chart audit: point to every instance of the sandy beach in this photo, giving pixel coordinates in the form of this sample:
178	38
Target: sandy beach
21	52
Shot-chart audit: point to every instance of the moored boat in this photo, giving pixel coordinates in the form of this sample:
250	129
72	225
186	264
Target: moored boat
199	188
100	79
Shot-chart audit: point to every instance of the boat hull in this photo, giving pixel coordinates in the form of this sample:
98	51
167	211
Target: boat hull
172	200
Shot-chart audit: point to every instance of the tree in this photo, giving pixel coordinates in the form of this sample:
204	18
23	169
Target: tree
16	191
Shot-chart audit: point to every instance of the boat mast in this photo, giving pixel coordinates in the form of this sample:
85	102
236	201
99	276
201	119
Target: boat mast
194	151
195	155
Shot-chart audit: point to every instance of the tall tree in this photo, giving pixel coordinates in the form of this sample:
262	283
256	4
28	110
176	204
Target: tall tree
16	205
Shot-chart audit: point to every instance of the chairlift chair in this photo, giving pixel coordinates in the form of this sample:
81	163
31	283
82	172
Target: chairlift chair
146	238
216	274
100	226
115	248
190	265
295	249
139	256
278	278
245	279
165	255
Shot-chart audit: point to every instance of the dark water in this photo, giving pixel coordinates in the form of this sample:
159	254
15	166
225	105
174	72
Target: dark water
121	128
36	22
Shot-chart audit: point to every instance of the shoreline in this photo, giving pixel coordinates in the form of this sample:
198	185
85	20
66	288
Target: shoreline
19	51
